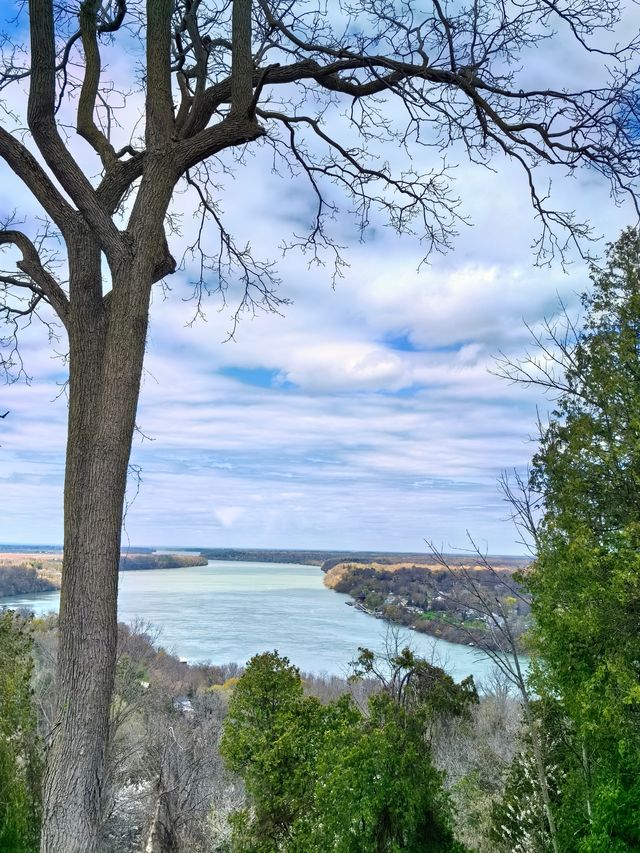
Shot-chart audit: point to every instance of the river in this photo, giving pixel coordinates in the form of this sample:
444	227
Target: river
229	611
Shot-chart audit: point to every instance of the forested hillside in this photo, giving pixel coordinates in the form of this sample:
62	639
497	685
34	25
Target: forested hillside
225	758
132	562
441	599
21	579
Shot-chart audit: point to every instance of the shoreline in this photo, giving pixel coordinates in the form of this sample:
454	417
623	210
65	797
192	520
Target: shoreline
34	572
432	600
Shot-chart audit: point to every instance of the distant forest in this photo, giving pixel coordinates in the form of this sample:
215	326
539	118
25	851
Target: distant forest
140	562
23	580
329	559
42	574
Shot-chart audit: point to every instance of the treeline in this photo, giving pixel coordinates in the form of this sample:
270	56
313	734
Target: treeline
441	602
258	555
423	560
23	580
139	562
325	559
36	575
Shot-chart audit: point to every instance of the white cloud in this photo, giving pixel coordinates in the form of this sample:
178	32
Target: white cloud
377	445
228	515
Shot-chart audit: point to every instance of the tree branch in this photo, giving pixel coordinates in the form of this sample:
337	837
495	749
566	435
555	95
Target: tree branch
241	59
22	162
119	178
41	119
228	133
32	266
86	125
159	115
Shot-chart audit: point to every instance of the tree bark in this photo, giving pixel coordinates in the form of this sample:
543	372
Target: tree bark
106	346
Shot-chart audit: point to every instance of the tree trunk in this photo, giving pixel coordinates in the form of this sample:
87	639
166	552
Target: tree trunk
106	347
538	754
162	836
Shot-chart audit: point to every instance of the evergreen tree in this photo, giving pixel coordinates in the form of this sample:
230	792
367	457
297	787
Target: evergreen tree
586	577
328	777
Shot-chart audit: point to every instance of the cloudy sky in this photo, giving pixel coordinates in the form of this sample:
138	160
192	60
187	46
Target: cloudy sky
365	417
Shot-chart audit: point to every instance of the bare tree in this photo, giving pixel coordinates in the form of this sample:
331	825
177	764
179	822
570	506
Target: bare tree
162	835
191	782
502	646
322	87
525	507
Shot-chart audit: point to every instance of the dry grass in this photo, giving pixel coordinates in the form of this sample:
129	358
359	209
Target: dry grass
48	565
14	558
336	573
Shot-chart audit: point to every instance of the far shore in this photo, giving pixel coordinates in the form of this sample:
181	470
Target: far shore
25	572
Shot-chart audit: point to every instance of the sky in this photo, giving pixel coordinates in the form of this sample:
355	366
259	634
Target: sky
367	416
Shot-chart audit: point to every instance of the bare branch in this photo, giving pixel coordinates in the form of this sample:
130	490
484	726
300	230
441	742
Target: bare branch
44	284
525	505
42	123
230	263
86	125
242	59
26	167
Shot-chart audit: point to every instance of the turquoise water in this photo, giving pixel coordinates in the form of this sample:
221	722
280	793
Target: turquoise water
229	611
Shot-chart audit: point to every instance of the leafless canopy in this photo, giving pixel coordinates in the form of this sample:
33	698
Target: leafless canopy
328	86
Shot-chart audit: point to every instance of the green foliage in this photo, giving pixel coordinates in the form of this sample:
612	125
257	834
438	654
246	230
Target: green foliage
474	798
329	777
411	680
265	742
441	695
373	600
519	823
377	788
586	580
128	681
589	462
20	757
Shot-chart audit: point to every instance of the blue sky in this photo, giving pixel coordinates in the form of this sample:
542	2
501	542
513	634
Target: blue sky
366	417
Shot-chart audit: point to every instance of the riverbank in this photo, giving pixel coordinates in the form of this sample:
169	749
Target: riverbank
23	573
431	599
27	572
230	611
